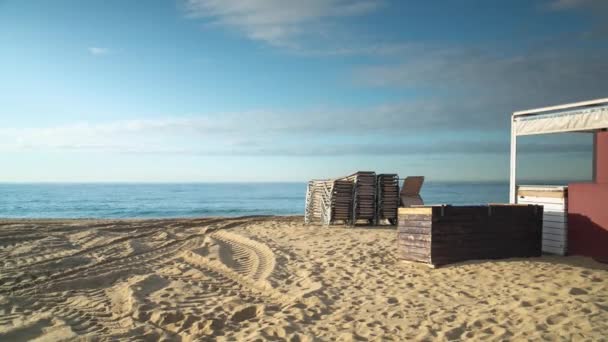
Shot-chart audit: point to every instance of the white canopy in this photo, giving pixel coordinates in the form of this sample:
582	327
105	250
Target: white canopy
588	116
568	121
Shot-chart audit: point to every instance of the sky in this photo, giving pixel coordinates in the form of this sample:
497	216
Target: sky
290	90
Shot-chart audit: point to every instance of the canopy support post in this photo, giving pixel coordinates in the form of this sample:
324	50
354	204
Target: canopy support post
513	173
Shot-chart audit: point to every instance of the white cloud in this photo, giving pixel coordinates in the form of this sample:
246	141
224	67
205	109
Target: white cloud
411	128
278	22
478	87
596	12
99	51
386	131
252	133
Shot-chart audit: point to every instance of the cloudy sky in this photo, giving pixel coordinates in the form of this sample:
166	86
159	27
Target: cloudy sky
288	90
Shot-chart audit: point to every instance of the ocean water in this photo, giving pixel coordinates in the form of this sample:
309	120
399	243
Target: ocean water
122	200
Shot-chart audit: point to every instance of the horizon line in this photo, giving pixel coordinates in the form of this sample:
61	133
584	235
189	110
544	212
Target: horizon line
279	181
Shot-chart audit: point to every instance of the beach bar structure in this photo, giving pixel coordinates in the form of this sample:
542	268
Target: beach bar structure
584	206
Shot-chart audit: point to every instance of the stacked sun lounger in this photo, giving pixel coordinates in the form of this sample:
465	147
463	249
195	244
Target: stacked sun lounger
387	195
364	199
329	201
362	196
342	201
317	195
410	191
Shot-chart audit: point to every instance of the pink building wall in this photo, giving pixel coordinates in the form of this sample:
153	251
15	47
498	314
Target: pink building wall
602	157
588	209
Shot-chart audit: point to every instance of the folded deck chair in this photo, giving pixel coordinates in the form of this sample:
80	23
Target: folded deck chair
410	191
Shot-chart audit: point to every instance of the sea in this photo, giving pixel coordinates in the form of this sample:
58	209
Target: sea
126	200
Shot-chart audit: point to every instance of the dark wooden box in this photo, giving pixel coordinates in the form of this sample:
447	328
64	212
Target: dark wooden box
439	235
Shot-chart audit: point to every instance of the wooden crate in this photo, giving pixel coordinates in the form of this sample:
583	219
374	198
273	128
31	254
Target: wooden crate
439	235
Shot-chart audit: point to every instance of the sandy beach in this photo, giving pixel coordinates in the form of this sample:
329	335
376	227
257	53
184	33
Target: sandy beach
273	278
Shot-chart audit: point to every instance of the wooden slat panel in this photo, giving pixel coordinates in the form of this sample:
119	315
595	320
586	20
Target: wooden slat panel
414	243
415	257
550	200
551	206
557	237
554	244
411	230
485	228
554	225
414	237
416	211
554	217
554	250
414	223
541	194
406	218
456	255
477	249
556	213
414	249
555	231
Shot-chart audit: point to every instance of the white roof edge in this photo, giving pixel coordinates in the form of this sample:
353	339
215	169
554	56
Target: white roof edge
563	106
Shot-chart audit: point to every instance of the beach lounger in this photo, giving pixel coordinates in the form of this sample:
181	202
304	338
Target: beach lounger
410	191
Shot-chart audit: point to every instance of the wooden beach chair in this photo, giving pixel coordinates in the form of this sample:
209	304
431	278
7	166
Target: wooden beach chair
410	191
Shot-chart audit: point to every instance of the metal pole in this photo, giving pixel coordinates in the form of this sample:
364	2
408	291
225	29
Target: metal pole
513	170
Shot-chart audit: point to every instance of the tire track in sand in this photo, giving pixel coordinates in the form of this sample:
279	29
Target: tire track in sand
76	295
45	278
252	258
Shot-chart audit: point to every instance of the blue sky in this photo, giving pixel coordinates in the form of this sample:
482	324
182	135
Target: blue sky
277	90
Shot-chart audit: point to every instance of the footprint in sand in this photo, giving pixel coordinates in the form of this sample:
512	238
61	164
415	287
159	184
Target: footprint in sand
525	304
575	291
247	312
556	319
455	333
392	300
